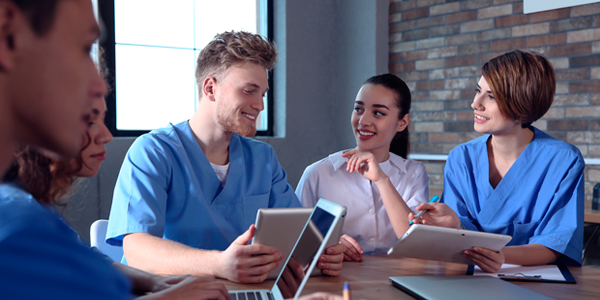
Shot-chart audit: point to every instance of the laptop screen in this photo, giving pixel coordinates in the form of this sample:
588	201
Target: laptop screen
297	268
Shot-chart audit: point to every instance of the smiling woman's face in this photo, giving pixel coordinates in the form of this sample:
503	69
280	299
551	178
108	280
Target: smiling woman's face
488	117
98	135
375	119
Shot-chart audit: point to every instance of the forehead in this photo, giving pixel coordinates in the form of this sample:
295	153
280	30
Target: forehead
247	73
99	104
483	83
75	19
371	94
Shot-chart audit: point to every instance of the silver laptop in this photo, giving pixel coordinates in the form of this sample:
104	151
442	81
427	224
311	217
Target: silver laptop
462	287
281	227
305	255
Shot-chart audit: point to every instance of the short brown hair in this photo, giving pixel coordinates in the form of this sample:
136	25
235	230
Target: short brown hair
234	47
523	83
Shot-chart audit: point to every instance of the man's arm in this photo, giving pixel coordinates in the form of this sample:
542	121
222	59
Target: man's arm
240	262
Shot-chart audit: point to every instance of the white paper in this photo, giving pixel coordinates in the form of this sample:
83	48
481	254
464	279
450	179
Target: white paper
548	272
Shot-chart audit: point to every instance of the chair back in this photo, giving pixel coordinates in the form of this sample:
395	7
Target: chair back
98	240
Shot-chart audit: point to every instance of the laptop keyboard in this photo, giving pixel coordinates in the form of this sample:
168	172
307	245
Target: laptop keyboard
249	295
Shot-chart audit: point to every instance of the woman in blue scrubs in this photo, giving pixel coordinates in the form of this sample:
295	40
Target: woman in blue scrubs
514	180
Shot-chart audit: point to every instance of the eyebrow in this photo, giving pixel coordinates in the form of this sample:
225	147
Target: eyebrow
374	105
488	91
256	86
381	106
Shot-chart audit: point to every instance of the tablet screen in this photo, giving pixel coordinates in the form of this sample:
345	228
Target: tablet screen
306	249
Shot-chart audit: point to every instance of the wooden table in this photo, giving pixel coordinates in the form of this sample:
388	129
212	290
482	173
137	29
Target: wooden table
369	279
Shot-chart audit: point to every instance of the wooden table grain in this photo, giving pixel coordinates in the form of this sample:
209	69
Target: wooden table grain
369	279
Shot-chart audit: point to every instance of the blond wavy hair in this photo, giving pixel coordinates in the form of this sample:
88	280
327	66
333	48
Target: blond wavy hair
233	48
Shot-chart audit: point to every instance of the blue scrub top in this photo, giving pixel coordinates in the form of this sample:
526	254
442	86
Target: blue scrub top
41	257
167	187
539	200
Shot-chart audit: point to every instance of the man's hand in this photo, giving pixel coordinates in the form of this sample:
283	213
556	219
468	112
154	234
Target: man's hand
245	263
331	262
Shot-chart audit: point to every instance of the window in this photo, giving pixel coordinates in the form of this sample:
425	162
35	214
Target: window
532	6
151	49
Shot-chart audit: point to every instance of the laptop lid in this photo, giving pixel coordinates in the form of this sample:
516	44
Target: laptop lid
281	227
462	287
307	250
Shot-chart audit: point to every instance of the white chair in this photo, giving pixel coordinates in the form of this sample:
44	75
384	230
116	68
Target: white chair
97	239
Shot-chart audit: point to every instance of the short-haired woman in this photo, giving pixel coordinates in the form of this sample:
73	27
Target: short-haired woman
516	179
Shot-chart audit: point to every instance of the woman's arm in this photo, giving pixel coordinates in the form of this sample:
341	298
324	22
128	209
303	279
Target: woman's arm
525	255
366	165
530	254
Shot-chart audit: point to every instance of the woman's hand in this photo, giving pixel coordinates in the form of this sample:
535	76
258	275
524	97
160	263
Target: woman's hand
487	260
438	214
354	251
365	164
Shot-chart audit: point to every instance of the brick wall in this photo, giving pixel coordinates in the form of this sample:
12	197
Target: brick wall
438	46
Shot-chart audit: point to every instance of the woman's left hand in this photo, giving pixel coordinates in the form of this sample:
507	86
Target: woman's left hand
487	260
364	163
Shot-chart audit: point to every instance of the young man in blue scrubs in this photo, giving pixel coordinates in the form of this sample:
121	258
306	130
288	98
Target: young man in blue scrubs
187	195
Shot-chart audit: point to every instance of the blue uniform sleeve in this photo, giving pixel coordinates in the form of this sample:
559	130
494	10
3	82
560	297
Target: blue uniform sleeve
282	194
561	228
40	258
457	188
140	195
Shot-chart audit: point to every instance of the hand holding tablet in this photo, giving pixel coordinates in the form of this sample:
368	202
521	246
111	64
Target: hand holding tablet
445	244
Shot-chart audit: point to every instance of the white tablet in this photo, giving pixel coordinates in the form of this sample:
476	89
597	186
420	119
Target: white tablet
444	244
308	245
281	227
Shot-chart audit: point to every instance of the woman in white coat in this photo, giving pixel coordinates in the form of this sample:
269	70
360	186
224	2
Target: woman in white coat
375	181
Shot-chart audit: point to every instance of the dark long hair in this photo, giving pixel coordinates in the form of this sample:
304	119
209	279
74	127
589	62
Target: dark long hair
46	179
400	143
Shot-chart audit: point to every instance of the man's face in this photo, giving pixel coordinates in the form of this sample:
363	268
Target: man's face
55	80
239	96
